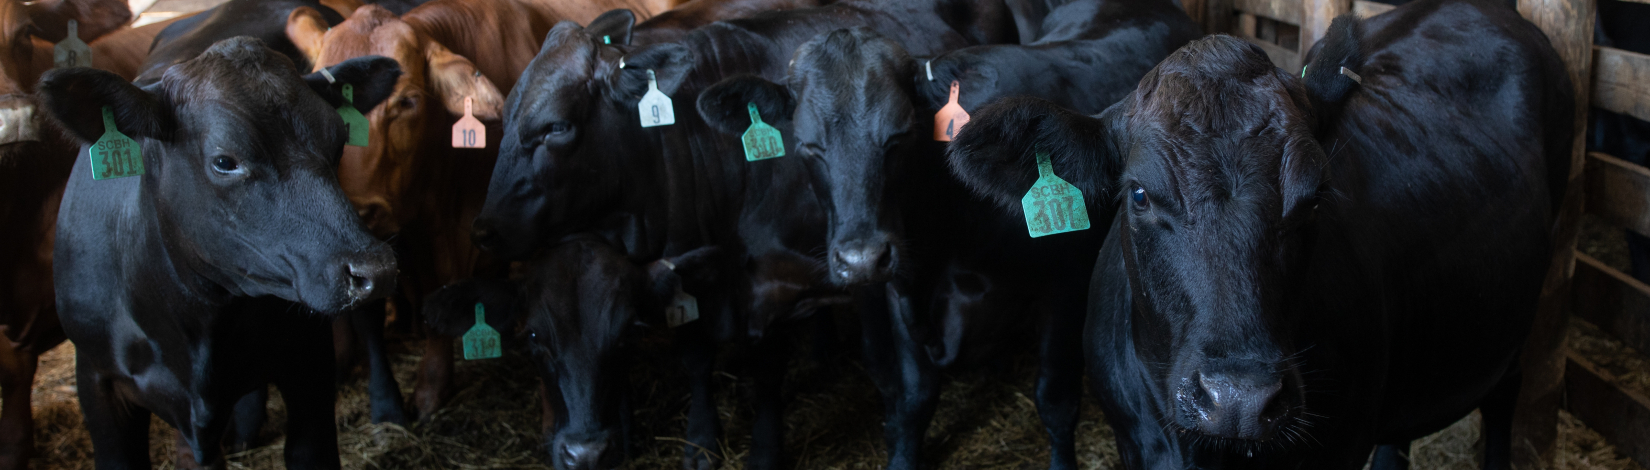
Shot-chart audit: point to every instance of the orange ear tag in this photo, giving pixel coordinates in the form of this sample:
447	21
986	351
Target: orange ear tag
468	133
951	118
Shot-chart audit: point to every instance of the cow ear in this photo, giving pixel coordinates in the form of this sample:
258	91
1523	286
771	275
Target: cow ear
306	28
615	24
372	78
454	77
693	271
75	97
670	63
451	310
996	153
724	105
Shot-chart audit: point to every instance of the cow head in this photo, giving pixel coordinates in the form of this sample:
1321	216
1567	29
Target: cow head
239	155
27	31
1216	180
408	135
848	99
572	140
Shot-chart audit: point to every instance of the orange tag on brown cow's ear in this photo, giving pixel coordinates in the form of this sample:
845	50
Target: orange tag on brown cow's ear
951	118
468	133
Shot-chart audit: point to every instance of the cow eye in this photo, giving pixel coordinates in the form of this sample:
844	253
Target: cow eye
225	165
1138	197
406	102
560	127
532	336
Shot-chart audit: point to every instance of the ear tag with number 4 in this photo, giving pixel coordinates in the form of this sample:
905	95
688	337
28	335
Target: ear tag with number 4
951	118
655	106
683	308
481	342
71	51
353	120
1053	205
468	133
762	141
114	155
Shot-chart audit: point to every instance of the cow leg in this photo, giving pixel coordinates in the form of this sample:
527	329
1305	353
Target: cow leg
248	420
435	375
16	417
697	349
769	358
382	389
120	430
310	393
1391	457
343	347
902	371
1060	380
1497	410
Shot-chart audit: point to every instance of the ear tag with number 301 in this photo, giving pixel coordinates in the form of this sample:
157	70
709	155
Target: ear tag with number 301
762	141
468	133
71	51
353	120
114	155
951	118
1053	205
683	308
655	106
481	342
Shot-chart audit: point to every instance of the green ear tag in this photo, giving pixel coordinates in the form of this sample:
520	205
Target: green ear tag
353	120
683	308
1053	205
607	39
762	141
115	155
481	342
655	107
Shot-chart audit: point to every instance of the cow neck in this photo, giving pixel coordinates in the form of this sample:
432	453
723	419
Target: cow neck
194	278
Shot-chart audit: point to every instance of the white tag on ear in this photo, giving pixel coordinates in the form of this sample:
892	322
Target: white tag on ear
683	309
71	51
655	106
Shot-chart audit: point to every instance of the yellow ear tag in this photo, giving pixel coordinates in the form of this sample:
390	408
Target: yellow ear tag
468	133
481	342
114	155
71	51
951	118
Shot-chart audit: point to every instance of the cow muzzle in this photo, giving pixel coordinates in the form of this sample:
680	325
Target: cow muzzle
18	121
863	261
593	454
369	276
1235	400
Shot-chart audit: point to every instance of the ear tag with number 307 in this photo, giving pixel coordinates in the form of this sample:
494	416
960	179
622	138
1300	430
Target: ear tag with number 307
114	155
951	118
683	308
71	51
1053	205
353	120
655	106
468	133
481	342
762	141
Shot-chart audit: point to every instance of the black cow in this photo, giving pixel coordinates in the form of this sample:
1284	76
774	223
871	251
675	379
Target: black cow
574	159
265	20
197	283
1298	273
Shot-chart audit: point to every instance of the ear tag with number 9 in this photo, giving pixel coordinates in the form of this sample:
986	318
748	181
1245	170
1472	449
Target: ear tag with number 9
353	119
683	308
481	342
71	51
1053	205
655	106
762	141
114	155
951	118
468	133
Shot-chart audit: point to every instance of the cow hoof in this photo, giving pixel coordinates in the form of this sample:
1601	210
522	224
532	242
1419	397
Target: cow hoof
393	415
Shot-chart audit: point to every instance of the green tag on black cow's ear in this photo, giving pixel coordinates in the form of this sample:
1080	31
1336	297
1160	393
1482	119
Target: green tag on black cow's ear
115	155
1053	205
353	120
481	342
762	141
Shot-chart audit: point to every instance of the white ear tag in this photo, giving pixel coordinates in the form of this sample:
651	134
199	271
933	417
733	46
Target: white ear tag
71	51
684	308
655	106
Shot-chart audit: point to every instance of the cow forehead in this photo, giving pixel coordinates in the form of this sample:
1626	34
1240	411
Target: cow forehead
391	38
253	83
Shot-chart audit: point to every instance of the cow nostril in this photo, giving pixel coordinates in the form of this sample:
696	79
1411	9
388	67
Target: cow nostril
885	259
569	458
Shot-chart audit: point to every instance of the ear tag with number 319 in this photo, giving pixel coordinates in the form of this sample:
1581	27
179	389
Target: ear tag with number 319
683	308
481	342
1053	205
353	120
655	106
951	118
71	51
468	133
762	141
114	155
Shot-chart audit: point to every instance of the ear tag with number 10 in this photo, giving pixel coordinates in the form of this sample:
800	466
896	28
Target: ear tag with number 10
951	118
468	133
1053	205
71	51
353	120
683	308
481	342
114	155
655	106
762	141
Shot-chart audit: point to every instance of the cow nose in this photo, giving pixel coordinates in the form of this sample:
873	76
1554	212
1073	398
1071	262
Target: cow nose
584	455
863	262
483	235
1233	404
370	278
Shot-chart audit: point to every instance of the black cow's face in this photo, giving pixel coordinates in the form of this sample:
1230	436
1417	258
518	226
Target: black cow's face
240	156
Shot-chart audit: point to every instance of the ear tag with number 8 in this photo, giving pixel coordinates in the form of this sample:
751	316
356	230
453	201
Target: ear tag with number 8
71	51
951	118
468	133
655	106
114	155
353	120
481	342
762	141
1053	205
683	308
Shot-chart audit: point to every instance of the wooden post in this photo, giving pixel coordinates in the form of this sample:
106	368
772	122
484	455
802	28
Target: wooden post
1569	25
1315	18
1217	16
1193	8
